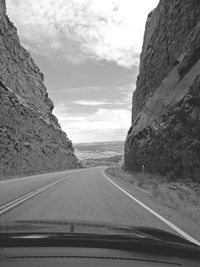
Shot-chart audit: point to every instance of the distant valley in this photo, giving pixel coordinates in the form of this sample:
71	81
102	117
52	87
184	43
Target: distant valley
99	153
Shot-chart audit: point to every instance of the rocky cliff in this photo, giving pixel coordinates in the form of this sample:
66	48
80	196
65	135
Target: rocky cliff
31	140
165	131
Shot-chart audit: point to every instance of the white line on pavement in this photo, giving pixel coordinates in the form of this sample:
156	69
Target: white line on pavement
6	207
45	174
30	177
174	227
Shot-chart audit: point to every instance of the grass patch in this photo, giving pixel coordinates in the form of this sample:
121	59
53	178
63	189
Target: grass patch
180	195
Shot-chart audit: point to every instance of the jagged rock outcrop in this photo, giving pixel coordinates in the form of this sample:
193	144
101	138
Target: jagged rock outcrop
165	131
31	140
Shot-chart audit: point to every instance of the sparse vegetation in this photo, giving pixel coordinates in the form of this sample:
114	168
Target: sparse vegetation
183	196
100	153
109	161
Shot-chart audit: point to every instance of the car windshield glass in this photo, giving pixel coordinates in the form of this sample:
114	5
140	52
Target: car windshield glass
99	118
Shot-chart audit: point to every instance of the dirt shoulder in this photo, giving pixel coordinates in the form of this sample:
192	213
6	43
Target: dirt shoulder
179	202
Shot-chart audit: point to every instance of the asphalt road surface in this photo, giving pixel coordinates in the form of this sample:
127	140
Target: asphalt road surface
83	194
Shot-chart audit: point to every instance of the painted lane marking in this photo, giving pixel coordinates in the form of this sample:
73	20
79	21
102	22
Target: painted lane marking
174	227
44	174
10	205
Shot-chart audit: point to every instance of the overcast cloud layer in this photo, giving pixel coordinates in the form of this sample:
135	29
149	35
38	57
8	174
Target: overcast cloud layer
87	46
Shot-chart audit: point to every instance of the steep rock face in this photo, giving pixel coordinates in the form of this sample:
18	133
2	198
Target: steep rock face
165	131
31	140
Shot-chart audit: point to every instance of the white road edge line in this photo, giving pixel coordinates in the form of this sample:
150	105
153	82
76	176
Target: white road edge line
10	205
174	227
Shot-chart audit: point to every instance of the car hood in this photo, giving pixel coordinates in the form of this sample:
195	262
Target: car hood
92	228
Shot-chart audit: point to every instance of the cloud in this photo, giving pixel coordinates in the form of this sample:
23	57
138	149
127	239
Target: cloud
82	88
105	122
94	103
85	136
81	30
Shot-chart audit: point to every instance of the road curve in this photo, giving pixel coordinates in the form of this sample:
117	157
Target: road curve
84	194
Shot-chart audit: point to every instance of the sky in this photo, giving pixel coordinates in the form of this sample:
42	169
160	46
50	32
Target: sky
89	53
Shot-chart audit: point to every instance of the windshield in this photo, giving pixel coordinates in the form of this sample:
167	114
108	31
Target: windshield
99	117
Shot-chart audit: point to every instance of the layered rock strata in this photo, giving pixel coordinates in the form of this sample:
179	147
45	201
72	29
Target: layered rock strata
165	133
31	140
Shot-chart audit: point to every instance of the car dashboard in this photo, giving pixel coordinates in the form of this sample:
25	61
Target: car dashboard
79	256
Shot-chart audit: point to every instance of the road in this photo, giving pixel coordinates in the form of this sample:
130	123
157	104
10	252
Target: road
84	194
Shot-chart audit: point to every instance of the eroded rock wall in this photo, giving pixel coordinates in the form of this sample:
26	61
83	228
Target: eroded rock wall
165	131
31	140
